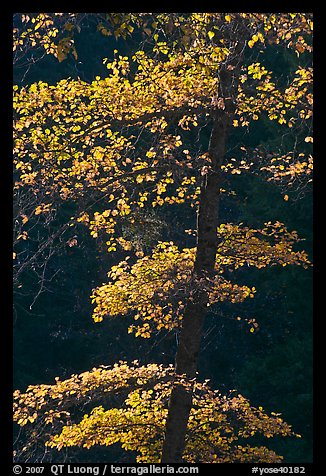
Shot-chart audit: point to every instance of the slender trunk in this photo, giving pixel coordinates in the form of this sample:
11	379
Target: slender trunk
196	308
207	242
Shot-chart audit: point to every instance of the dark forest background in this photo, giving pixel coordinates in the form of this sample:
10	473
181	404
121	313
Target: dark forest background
54	335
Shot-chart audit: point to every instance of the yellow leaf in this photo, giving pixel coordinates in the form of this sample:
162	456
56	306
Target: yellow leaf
286	198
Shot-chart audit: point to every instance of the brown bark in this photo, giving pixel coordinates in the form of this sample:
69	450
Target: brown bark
207	242
195	311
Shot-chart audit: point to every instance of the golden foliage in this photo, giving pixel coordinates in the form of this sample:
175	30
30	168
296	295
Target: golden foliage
219	430
112	138
118	145
155	288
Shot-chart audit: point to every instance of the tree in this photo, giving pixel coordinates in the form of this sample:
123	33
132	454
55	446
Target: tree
219	425
110	149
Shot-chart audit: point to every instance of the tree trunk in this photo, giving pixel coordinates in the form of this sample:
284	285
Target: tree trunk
196	308
207	242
